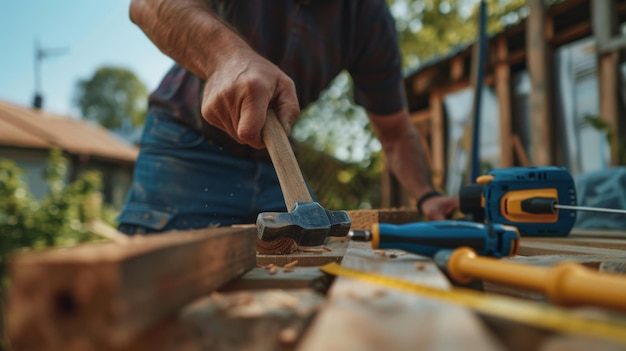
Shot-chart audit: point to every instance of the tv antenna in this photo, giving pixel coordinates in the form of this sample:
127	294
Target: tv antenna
40	55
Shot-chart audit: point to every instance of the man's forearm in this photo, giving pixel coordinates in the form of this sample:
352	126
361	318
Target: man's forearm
404	152
187	31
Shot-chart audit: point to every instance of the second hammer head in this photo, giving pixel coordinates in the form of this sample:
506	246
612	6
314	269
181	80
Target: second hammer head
308	224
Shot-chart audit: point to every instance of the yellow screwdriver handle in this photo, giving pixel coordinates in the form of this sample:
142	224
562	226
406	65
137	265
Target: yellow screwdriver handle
567	283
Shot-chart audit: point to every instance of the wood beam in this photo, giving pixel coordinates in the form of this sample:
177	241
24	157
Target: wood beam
437	138
520	151
602	21
615	44
258	319
332	251
503	91
604	24
423	80
364	219
571	34
608	67
420	117
104	295
538	67
457	69
456	86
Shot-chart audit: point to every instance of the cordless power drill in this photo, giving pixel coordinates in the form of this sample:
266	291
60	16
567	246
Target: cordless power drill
539	201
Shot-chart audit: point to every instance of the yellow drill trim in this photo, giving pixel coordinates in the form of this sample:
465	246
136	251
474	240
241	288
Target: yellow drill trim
375	236
511	206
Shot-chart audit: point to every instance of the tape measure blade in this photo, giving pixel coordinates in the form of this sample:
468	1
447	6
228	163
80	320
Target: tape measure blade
526	312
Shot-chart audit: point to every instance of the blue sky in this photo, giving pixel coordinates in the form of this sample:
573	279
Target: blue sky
95	33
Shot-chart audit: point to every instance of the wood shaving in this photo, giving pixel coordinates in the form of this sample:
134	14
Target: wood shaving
379	293
393	255
273	270
280	299
270	266
420	266
313	250
291	264
244	299
287	269
288	335
381	253
326	248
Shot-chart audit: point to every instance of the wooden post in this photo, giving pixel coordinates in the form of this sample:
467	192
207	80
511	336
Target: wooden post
503	90
437	138
456	68
540	105
603	24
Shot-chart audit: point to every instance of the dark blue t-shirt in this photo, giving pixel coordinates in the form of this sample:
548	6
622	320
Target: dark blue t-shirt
312	42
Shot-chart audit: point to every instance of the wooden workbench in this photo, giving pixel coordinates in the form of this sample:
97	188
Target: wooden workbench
272	308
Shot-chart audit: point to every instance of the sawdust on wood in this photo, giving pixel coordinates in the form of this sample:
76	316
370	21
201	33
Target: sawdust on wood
283	246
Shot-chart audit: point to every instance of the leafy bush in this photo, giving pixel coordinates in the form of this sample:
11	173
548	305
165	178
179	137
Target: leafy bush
59	219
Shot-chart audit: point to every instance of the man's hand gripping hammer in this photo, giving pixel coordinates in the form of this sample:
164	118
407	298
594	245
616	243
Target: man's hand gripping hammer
307	222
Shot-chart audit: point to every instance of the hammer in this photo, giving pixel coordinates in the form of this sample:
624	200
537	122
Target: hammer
307	222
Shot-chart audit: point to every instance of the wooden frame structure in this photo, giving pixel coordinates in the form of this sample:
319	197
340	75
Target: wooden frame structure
528	45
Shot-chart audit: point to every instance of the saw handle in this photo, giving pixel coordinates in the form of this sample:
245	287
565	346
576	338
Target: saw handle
289	174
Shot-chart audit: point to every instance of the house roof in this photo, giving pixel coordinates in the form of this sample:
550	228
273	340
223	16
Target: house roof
27	127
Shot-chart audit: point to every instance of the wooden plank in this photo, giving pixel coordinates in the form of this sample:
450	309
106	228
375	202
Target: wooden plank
571	34
107	294
363	316
597	233
615	44
262	321
437	139
457	69
520	152
603	14
609	87
503	91
262	279
616	244
604	20
364	219
420	116
540	108
333	251
246	320
535	248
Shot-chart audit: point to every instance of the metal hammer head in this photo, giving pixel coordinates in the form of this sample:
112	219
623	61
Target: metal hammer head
308	224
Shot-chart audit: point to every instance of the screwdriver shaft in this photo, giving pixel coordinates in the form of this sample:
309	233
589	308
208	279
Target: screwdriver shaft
590	209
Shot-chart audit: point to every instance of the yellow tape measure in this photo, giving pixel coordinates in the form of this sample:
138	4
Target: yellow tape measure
526	312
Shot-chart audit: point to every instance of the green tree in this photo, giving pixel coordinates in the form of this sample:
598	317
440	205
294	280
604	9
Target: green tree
431	28
111	96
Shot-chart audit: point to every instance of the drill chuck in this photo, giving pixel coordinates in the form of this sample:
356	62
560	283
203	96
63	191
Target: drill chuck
539	205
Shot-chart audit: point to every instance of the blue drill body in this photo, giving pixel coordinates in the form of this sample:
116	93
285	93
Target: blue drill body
507	195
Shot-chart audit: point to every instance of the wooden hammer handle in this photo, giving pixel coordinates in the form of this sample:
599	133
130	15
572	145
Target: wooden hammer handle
289	174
